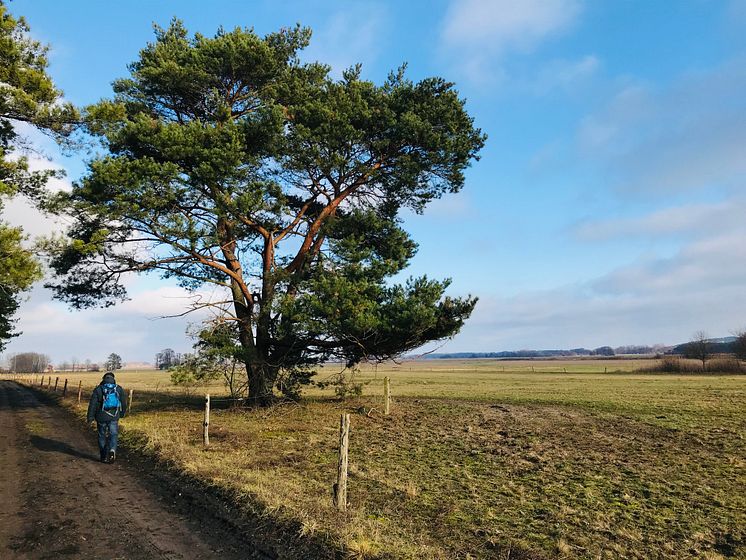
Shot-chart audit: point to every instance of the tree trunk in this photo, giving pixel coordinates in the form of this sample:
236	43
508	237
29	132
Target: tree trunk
261	382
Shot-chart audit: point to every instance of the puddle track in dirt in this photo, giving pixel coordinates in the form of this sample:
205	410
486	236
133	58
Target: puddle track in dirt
58	501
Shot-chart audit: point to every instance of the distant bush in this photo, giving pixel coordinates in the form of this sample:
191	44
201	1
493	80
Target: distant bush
675	364
725	365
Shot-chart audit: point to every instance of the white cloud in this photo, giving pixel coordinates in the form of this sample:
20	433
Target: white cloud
680	148
350	36
691	135
687	220
655	300
565	74
42	154
133	329
480	33
499	25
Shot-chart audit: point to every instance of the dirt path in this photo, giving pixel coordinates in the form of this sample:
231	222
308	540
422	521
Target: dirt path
58	501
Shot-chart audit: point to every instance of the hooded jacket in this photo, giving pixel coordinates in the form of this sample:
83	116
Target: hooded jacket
95	409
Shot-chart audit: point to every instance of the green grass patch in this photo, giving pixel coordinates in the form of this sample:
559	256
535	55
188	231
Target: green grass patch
477	462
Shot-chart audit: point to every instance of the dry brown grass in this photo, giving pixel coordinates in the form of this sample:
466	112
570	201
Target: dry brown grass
486	463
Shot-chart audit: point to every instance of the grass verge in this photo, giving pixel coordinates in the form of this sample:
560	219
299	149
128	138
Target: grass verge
510	464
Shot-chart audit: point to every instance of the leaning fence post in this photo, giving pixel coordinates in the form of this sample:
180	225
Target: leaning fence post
129	402
206	424
340	488
386	395
56	381
64	389
80	389
49	382
41	383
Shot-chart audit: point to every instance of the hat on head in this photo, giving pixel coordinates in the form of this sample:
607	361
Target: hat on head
108	377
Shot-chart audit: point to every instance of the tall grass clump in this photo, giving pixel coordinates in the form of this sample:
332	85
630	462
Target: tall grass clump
675	364
725	365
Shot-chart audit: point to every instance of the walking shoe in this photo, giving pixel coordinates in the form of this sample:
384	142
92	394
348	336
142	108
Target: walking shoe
103	457
112	456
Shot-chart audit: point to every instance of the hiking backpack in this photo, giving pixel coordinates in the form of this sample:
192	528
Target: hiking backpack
111	399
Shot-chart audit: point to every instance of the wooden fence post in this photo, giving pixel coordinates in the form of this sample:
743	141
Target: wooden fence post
64	389
80	389
206	424
340	488
49	382
386	395
129	402
56	381
41	384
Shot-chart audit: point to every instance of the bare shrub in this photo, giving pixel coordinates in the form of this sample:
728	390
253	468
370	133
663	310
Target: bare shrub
673	364
725	365
739	345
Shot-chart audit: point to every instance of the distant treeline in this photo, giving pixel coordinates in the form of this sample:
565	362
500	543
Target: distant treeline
724	345
600	351
714	346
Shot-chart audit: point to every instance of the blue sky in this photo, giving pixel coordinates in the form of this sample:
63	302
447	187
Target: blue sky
608	204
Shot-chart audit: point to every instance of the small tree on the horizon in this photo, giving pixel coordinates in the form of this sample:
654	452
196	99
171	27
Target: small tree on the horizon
113	362
699	348
167	358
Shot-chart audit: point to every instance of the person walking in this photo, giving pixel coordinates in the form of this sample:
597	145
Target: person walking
106	407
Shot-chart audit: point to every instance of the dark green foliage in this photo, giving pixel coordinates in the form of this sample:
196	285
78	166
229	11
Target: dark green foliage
8	307
27	95
113	362
231	163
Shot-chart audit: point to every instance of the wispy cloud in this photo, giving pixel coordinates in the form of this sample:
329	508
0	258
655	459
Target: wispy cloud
352	35
680	147
691	135
654	300
134	329
684	220
479	34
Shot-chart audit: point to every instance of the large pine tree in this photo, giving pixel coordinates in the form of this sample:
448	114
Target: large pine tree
233	164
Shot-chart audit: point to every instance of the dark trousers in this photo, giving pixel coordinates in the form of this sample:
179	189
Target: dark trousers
108	434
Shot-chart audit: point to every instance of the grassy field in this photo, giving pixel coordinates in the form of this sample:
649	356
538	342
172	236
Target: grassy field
477	462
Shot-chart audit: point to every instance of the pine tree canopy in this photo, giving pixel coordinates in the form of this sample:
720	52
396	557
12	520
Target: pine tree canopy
230	163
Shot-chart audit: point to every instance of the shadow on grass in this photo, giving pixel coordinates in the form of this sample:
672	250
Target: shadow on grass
149	401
